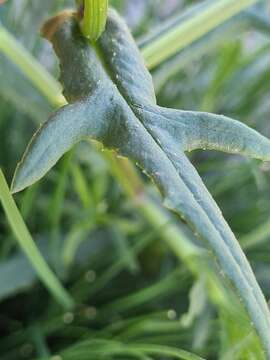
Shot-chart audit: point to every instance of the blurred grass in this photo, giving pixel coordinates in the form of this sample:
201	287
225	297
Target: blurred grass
135	272
29	248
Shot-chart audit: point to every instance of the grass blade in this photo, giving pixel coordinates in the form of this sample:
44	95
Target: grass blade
31	68
30	249
192	29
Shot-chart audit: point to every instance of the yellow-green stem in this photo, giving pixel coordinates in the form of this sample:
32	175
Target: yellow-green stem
192	29
94	18
31	68
29	247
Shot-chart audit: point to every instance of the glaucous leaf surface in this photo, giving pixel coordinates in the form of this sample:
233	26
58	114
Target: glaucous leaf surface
112	99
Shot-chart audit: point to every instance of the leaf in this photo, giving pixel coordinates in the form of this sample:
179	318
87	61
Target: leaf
75	121
188	28
99	349
193	130
30	248
113	101
13	49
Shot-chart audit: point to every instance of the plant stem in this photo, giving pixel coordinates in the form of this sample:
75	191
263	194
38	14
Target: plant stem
29	247
192	29
31	68
94	18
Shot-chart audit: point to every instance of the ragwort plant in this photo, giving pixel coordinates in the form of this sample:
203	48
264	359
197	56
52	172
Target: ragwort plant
129	122
112	100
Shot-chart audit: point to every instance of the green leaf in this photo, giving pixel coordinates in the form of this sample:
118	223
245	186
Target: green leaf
193	130
70	124
13	49
100	348
204	18
30	249
113	101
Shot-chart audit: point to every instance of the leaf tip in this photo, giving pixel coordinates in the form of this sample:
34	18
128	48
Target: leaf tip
51	26
19	182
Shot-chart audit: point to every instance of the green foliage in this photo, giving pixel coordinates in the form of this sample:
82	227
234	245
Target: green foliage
133	265
26	242
197	22
113	84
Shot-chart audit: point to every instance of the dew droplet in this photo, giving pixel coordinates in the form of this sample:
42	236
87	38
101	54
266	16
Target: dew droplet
90	312
90	276
56	357
68	318
172	315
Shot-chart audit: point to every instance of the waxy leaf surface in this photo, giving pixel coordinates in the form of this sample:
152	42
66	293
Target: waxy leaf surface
112	99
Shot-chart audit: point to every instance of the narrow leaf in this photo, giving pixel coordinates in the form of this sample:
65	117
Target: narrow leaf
30	249
13	49
192	28
193	130
109	81
65	128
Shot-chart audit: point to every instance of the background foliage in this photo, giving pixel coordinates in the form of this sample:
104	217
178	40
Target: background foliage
146	287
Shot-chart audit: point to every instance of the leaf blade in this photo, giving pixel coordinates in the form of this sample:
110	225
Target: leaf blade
55	137
30	249
201	130
126	129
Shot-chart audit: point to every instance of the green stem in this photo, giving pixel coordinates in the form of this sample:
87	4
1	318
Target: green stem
192	29
29	247
94	18
31	68
160	49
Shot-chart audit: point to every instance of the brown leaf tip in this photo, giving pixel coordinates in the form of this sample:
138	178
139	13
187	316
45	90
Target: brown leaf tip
52	25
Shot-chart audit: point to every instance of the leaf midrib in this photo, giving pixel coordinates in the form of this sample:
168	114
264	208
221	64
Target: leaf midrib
205	212
132	106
